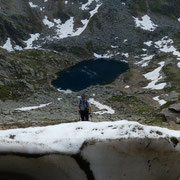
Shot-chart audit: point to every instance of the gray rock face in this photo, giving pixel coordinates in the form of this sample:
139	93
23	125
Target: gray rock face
172	113
175	108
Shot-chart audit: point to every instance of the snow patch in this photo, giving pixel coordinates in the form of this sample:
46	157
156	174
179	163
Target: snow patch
145	23
155	76
166	45
125	54
32	107
107	109
29	42
67	91
67	29
8	45
148	43
178	64
160	101
114	47
86	5
126	87
33	5
145	60
47	22
107	55
179	19
18	48
69	137
125	40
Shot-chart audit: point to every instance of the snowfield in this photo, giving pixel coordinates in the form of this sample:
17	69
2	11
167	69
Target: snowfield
155	76
69	137
145	23
8	45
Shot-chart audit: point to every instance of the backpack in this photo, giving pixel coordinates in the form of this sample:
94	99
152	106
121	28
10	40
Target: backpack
84	106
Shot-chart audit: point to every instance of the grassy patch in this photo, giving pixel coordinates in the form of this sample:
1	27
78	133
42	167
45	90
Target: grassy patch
133	104
5	92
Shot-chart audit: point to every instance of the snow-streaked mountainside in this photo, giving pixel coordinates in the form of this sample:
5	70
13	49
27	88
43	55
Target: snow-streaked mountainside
39	38
68	138
105	28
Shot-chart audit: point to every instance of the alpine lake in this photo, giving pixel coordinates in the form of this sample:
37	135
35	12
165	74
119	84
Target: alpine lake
88	73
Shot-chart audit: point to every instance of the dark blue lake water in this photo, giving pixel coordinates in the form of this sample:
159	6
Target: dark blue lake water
88	73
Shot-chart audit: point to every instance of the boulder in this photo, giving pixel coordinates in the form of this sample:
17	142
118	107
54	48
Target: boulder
175	108
172	113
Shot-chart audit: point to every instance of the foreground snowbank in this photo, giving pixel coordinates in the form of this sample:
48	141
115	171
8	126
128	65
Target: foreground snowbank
86	150
69	137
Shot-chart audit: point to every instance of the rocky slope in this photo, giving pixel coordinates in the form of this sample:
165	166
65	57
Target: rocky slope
42	37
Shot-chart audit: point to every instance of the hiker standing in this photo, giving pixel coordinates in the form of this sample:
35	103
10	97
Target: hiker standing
84	108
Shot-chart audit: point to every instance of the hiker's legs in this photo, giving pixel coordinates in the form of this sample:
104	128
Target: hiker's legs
87	116
82	116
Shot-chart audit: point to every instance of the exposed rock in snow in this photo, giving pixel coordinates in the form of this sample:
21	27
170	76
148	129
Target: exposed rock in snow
29	42
67	29
160	101
8	45
107	55
145	23
145	60
107	109
155	76
166	45
86	5
125	54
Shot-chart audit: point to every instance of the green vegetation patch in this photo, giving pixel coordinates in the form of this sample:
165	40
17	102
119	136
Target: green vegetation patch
5	92
133	104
